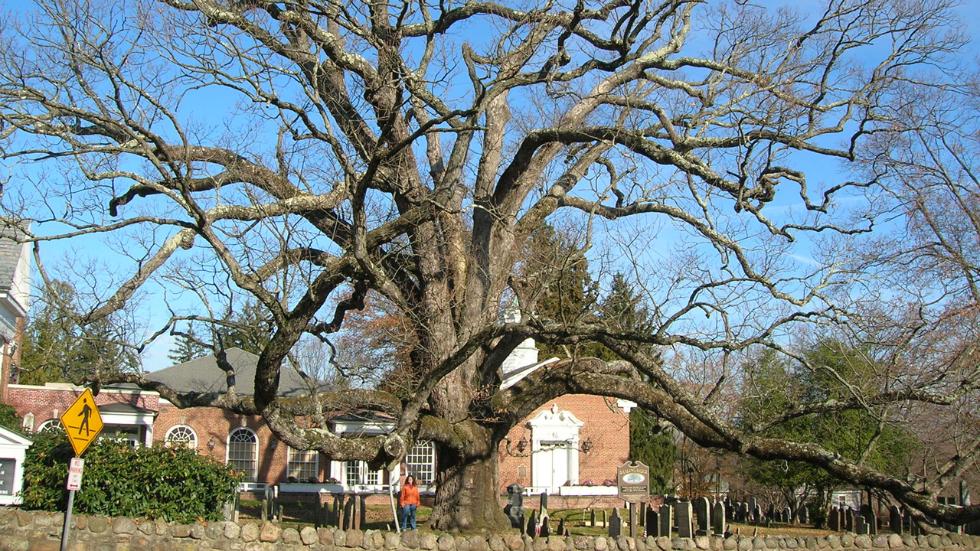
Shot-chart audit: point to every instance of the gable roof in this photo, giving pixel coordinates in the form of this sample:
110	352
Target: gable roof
11	256
202	375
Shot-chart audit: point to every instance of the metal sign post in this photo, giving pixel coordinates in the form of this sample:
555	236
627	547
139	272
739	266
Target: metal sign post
82	423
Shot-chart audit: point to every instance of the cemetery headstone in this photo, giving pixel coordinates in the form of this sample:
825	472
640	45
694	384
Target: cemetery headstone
592	517
605	521
804	514
895	520
753	503
702	512
615	524
860	526
771	512
532	524
718	519
666	520
562	531
848	519
870	520
652	522
787	515
757	515
834	519
684	520
743	512
545	530
515	505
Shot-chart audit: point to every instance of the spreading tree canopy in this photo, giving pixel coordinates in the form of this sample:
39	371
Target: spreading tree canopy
303	154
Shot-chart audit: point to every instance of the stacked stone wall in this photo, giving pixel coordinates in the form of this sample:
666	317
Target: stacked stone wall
40	531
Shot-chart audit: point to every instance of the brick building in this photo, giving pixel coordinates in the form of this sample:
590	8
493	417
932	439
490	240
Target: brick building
569	447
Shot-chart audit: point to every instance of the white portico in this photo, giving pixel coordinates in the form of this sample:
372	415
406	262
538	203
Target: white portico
554	449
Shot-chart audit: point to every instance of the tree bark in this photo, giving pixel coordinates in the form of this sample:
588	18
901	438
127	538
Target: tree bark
466	499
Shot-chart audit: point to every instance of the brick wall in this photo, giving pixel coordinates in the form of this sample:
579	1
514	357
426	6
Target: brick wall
213	425
606	426
48	403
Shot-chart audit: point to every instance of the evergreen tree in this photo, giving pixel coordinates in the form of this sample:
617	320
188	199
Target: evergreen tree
773	385
58	347
556	273
187	347
250	329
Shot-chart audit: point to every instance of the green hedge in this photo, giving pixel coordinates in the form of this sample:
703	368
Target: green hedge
159	482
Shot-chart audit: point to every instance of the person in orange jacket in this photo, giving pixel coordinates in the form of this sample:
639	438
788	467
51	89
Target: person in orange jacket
408	500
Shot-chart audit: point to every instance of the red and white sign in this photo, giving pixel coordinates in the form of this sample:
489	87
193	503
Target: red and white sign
75	473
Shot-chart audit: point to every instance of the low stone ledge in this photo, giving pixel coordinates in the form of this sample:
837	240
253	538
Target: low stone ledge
37	530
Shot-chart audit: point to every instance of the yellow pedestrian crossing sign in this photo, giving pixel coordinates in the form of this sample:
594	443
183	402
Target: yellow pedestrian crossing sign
82	422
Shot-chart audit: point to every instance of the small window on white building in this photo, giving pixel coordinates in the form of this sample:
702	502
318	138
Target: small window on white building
181	436
303	466
421	462
243	452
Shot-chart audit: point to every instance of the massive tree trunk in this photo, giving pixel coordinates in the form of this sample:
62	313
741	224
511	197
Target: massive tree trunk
467	495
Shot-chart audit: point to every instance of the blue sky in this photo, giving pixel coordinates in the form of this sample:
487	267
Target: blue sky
210	106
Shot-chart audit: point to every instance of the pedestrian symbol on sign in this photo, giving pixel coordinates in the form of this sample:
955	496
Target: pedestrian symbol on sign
82	422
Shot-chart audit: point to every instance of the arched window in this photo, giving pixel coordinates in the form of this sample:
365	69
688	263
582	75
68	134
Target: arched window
49	424
181	436
243	452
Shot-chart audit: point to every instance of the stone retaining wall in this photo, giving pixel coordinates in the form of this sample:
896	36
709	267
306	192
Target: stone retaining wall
34	530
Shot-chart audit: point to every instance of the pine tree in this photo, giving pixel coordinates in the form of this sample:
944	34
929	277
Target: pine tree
58	347
187	347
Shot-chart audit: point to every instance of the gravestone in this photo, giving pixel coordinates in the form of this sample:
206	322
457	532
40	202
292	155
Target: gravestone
787	515
684	520
532	524
895	520
718	519
848	519
753	515
771	512
562	530
515	505
702	512
666	520
743	512
615	524
834	519
605	520
545	529
860	526
804	514
757	515
870	519
652	522
592	517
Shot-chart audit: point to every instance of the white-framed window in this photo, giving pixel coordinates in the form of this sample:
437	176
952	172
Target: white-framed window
302	465
243	452
181	436
357	472
421	462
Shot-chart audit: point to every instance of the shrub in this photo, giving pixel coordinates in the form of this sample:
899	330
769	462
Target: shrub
9	417
175	484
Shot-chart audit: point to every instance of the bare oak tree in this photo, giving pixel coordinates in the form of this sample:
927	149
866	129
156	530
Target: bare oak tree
305	153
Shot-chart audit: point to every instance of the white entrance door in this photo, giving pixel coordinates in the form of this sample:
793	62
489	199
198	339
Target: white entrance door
554	460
